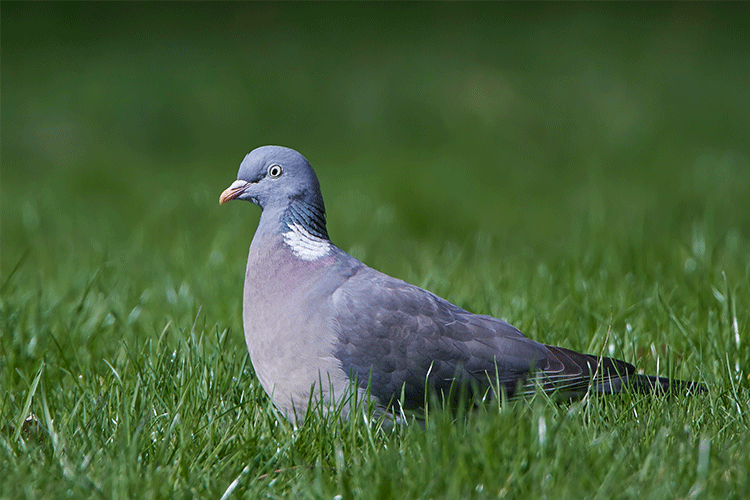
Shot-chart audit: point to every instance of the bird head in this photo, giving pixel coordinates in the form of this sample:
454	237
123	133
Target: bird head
271	176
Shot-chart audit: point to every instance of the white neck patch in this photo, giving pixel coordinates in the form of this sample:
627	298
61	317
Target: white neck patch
305	245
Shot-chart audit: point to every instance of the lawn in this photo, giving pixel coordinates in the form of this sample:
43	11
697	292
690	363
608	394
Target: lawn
581	171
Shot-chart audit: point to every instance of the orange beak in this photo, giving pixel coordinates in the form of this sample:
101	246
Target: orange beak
233	191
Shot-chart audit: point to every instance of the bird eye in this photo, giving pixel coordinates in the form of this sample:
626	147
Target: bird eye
274	171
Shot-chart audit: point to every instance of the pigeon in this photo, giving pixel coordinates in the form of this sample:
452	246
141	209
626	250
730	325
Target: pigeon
319	324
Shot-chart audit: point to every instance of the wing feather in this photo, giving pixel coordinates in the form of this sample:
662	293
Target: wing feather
392	334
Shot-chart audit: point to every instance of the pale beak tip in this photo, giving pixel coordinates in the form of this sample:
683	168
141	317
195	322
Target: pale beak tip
232	191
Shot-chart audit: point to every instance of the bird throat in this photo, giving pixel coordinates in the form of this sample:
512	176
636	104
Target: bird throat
304	229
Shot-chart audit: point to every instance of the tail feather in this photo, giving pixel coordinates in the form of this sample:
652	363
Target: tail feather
653	383
574	374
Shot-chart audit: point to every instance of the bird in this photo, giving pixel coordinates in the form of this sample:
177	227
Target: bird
320	325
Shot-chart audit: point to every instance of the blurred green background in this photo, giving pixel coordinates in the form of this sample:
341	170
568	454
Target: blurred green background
581	170
531	132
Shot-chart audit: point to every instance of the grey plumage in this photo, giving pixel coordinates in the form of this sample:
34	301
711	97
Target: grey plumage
315	316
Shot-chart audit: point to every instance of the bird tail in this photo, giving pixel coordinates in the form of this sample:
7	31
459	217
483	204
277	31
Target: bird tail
574	374
652	383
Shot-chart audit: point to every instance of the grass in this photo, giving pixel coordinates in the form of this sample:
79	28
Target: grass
538	163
